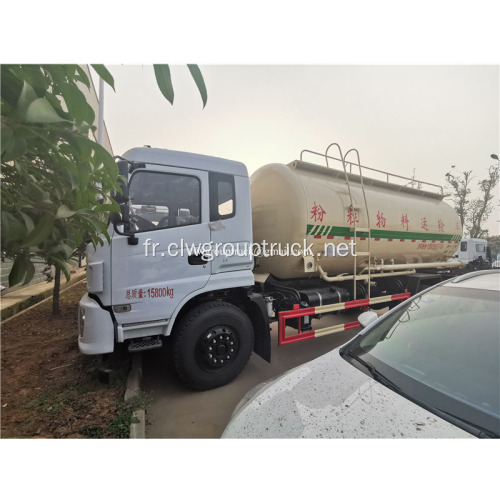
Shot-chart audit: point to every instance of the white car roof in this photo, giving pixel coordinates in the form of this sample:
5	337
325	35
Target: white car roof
481	280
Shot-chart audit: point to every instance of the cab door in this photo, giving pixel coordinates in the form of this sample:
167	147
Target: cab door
231	223
169	213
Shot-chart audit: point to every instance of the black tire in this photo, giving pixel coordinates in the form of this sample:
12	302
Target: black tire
211	345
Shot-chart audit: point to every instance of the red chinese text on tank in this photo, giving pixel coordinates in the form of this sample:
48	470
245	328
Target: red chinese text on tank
381	220
404	220
317	213
352	216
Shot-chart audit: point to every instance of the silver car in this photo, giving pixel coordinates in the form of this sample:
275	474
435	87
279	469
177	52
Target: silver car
430	368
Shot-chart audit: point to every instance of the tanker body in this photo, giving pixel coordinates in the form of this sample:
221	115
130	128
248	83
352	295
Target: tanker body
306	204
173	265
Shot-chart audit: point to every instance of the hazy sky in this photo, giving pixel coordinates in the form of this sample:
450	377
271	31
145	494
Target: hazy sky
400	118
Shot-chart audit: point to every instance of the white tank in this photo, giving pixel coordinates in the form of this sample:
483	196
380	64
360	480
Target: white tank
303	202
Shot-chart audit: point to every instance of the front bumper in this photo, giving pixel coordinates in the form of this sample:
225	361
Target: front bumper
96	331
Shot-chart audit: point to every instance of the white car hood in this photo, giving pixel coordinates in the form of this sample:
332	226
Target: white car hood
329	398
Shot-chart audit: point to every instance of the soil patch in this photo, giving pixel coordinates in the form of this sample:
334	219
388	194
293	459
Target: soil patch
49	389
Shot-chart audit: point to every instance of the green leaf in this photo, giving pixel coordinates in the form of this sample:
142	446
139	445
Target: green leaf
58	75
77	236
26	132
35	76
12	228
63	212
81	75
106	207
200	82
77	104
68	251
74	181
98	227
83	174
46	198
54	250
65	251
15	148
6	137
61	265
56	104
83	145
102	156
103	72
27	96
18	270
40	233
164	81
30	271
41	111
28	222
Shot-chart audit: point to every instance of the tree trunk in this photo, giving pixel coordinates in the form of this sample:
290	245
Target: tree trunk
55	293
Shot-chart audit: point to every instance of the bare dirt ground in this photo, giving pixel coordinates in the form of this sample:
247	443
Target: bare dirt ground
49	389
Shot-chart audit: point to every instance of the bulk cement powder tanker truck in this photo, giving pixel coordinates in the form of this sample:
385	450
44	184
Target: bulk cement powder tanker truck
209	257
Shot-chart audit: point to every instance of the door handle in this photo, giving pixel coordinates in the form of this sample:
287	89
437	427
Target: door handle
196	260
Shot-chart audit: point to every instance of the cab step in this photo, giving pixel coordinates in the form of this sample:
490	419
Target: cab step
144	344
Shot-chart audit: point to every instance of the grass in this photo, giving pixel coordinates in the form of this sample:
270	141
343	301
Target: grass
52	400
119	428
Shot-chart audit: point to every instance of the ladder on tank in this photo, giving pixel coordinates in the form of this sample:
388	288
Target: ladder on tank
356	229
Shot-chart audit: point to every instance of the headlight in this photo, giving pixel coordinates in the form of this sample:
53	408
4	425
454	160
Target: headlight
81	320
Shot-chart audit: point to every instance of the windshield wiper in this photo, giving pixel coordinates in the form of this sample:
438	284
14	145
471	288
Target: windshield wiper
375	374
468	426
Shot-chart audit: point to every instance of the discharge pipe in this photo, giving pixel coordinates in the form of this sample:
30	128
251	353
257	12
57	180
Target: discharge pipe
420	265
347	277
394	270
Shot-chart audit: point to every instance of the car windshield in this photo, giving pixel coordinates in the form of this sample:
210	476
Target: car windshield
448	340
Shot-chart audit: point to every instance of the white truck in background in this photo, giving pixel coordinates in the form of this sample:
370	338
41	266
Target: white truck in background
475	253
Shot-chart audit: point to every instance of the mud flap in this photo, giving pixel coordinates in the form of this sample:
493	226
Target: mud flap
257	312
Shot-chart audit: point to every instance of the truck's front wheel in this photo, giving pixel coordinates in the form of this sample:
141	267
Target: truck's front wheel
211	345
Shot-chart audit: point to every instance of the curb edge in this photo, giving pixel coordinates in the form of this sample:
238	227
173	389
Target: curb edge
138	428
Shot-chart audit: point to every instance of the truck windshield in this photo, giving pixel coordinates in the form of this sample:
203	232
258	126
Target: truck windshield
163	200
446	340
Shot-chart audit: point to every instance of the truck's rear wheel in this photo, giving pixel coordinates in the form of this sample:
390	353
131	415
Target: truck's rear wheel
211	345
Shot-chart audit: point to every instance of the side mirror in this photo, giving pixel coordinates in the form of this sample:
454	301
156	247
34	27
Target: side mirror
123	167
122	197
367	318
115	218
123	218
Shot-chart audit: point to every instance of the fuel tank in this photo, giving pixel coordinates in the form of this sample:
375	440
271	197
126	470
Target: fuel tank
309	205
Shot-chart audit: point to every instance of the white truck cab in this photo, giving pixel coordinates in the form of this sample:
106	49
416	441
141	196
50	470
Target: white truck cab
475	253
164	271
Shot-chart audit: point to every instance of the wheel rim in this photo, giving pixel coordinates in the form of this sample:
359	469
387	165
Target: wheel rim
217	348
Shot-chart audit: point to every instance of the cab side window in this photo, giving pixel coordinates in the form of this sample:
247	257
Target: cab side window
463	246
222	196
160	200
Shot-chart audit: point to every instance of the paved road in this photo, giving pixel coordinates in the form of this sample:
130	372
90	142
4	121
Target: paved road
179	412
